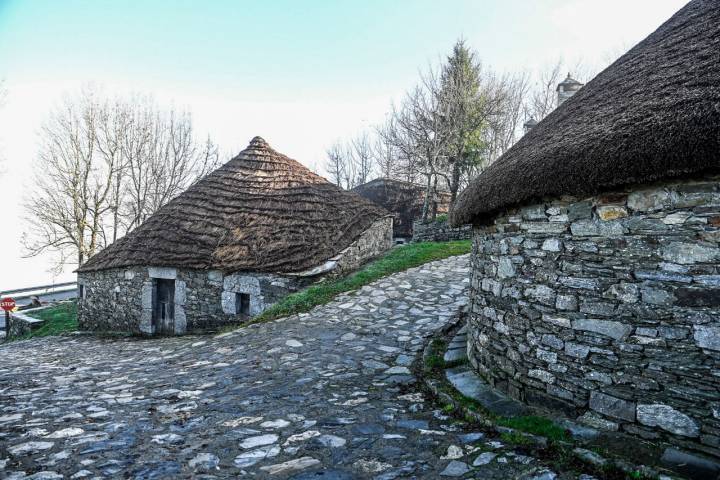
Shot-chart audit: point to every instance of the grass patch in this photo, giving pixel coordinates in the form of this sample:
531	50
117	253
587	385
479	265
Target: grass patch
537	426
516	438
61	318
396	260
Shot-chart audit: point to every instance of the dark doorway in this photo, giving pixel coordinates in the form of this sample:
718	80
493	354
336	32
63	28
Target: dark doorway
164	306
242	304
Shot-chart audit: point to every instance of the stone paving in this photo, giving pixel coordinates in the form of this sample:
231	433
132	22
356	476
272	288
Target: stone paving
328	395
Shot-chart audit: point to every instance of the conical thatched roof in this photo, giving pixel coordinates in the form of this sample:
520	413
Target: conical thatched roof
653	114
261	211
403	199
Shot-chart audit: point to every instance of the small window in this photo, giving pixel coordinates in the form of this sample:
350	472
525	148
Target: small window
242	303
81	291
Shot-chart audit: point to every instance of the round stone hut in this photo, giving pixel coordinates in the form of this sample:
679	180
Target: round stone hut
404	200
596	264
256	229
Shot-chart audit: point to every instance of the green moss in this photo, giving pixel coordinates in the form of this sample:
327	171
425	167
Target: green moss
537	426
396	260
59	319
515	438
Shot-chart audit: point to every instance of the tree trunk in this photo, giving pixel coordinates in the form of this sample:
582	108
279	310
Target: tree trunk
454	181
434	199
426	202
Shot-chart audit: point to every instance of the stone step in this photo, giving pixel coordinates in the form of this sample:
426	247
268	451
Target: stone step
455	354
472	386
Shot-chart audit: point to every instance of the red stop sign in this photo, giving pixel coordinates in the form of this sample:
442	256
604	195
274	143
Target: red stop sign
7	304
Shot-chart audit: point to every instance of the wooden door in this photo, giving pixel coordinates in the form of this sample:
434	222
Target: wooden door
164	307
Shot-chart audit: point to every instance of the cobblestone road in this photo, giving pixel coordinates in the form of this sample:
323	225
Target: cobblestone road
324	395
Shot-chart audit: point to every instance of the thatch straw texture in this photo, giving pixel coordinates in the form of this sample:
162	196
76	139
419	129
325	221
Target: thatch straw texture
403	199
654	114
261	211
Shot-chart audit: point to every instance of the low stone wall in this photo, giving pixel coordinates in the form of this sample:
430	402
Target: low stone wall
373	242
607	308
22	324
120	300
439	231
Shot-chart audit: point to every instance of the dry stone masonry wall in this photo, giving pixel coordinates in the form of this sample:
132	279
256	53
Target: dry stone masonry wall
607	308
439	231
120	299
374	241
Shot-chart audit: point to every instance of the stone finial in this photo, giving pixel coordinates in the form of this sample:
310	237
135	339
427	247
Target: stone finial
258	142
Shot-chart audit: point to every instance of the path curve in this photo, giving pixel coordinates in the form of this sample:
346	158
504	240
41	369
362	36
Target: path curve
318	395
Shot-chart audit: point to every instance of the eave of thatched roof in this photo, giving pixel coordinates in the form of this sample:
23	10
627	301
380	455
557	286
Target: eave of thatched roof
261	212
652	115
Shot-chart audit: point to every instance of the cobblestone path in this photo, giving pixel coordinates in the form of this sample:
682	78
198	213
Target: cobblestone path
324	395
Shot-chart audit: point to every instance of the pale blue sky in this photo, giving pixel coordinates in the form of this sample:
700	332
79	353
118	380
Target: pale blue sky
299	73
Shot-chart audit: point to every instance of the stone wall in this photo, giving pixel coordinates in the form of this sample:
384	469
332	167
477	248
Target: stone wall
607	308
439	231
373	242
120	300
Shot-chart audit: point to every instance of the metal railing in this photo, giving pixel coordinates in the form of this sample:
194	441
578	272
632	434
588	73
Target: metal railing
40	291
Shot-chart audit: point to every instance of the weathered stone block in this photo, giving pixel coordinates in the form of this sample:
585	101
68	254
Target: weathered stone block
592	228
625	292
657	296
707	336
546	355
686	253
576	350
534	212
542	375
506	269
553	341
593	420
612	406
579	211
541	293
609	328
544	227
552	245
559	321
162	272
580	283
611	212
667	418
649	200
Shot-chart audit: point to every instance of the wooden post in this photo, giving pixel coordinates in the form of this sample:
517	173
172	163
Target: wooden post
7	326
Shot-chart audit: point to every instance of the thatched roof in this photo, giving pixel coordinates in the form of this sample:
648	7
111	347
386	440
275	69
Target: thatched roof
403	199
261	211
654	114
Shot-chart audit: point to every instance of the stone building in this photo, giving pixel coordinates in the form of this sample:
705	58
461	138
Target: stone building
404	200
259	227
596	257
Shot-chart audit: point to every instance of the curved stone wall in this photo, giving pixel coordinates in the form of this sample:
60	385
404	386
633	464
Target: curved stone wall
607	308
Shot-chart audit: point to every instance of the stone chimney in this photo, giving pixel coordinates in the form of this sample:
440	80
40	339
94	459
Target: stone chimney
567	88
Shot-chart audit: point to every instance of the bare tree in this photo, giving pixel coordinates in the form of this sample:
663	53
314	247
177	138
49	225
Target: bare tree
336	164
361	155
505	124
421	129
543	97
72	183
104	167
385	155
